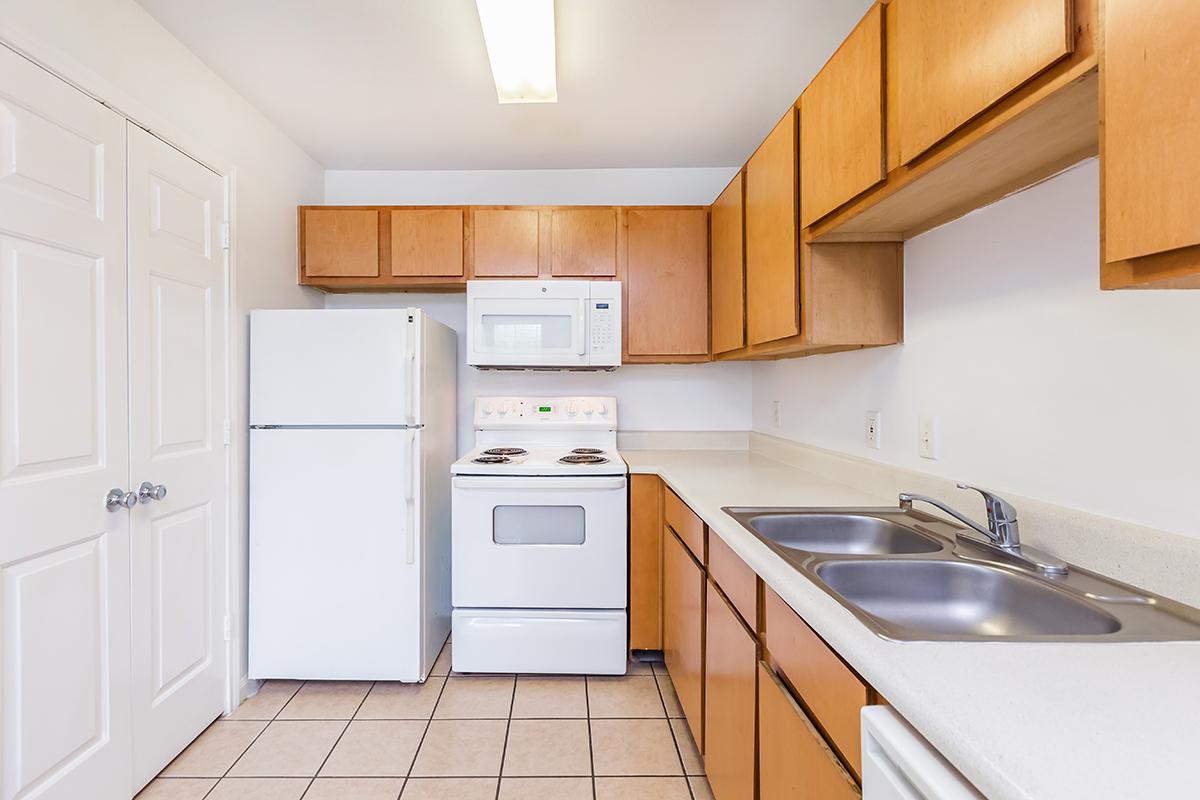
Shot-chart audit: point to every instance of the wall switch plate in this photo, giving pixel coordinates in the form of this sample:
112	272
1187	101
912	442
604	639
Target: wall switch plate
872	429
927	444
776	414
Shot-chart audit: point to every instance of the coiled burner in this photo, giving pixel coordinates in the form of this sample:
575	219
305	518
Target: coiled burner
588	451
506	451
485	459
583	459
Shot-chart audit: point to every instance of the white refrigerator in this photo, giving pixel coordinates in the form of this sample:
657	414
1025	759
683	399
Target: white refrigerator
352	433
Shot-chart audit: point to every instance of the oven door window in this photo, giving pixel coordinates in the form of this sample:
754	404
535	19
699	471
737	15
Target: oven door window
538	525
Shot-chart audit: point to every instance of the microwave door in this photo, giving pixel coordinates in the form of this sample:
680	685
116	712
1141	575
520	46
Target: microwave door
529	332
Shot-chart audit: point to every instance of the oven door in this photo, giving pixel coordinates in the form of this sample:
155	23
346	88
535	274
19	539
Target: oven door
539	542
527	332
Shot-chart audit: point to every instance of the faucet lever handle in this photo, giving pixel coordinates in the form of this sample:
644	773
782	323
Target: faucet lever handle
1002	516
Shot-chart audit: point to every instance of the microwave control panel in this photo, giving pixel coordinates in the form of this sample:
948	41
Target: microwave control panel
604	323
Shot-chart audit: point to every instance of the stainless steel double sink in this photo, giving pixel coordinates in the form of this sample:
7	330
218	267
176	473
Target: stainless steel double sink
906	576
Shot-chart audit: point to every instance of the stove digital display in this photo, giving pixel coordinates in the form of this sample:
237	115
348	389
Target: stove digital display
545	409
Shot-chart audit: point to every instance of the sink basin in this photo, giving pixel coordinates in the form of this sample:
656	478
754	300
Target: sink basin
935	599
843	534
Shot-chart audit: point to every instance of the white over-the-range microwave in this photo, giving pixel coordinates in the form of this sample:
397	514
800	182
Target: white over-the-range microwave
553	324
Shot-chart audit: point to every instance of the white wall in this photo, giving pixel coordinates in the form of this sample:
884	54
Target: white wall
118	52
683	397
698	186
649	397
1042	384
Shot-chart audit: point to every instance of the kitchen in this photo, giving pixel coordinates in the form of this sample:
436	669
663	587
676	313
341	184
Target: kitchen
841	279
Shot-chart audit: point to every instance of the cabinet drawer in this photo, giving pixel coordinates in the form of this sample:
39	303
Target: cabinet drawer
685	523
830	690
683	630
736	579
793	760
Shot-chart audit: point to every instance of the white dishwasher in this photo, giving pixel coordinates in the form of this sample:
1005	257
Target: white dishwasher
898	764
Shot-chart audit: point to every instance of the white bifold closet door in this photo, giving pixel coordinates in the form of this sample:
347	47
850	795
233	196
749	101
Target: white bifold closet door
176	435
64	442
112	372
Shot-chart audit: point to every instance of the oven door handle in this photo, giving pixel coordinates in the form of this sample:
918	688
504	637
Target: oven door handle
524	484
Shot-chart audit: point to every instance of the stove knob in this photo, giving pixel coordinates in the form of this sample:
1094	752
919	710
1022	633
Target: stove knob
503	409
487	409
587	407
604	409
572	408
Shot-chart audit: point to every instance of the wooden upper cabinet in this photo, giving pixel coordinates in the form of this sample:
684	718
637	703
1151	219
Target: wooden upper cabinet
772	268
683	630
793	759
505	242
1151	125
427	242
841	123
340	242
728	269
731	658
645	562
583	242
953	59
666	281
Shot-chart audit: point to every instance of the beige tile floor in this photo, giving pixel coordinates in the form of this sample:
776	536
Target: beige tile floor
465	737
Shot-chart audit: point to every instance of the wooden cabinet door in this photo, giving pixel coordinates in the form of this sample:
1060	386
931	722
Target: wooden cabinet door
841	123
645	562
505	242
1151	125
728	269
731	658
427	242
953	60
340	242
683	630
772	253
583	242
794	763
666	275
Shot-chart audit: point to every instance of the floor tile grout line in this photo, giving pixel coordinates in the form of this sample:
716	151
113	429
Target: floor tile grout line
336	741
674	739
429	720
512	701
587	707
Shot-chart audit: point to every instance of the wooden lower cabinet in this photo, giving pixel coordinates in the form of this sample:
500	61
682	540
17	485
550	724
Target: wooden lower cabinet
794	763
645	562
731	657
683	630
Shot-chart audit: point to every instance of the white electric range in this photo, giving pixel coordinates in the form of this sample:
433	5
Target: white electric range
539	561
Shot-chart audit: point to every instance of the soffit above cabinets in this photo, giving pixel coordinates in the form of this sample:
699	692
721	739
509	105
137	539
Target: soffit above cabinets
381	84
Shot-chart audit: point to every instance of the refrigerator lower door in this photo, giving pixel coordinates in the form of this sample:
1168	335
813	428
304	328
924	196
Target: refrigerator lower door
335	555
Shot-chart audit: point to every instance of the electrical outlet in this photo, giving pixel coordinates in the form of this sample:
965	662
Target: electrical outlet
927	444
776	414
872	429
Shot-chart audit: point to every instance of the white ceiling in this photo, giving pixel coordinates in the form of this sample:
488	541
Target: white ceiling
405	84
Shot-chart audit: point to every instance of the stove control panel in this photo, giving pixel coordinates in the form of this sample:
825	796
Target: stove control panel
539	412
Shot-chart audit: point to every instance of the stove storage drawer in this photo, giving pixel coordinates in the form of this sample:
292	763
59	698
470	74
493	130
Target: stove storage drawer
539	542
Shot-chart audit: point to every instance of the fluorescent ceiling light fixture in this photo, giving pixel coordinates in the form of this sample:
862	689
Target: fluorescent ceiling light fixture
520	43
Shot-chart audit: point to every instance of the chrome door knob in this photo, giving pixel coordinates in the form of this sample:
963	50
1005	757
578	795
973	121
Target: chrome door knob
149	491
118	498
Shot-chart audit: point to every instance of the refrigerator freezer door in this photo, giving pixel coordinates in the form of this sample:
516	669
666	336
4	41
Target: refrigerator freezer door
335	554
333	367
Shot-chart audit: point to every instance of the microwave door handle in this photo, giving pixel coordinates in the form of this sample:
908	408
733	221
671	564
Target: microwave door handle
581	327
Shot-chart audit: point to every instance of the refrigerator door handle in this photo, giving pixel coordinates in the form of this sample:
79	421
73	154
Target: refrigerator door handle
410	499
410	371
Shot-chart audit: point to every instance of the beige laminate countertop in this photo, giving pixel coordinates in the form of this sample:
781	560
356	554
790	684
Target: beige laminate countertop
1048	721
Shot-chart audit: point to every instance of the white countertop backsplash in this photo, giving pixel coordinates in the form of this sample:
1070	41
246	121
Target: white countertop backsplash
1053	721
